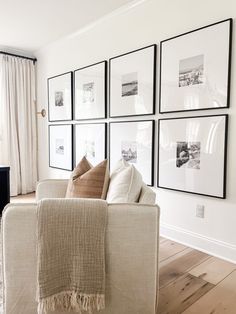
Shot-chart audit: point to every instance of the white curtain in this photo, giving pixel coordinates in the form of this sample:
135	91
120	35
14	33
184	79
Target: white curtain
18	141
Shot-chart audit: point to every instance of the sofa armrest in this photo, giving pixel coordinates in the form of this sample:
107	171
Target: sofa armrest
54	188
147	195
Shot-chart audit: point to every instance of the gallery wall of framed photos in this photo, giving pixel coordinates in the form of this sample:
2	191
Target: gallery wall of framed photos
191	150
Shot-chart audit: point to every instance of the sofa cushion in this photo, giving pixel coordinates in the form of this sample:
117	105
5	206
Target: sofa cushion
125	184
87	181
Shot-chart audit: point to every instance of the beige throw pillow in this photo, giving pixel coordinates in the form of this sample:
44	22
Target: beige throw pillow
87	181
125	184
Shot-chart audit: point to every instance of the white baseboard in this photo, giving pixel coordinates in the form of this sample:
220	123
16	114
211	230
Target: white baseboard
202	243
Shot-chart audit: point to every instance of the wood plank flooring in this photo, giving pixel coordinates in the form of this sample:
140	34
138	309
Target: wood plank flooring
191	282
219	300
25	198
213	270
182	293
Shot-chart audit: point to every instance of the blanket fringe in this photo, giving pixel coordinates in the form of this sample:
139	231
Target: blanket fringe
72	301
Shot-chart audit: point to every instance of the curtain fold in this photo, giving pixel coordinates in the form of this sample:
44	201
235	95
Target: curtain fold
18	138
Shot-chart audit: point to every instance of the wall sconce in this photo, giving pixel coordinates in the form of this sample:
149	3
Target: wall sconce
42	113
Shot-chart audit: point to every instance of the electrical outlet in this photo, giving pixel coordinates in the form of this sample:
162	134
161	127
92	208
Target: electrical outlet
200	211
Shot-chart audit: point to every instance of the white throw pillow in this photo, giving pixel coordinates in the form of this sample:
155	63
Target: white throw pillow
125	184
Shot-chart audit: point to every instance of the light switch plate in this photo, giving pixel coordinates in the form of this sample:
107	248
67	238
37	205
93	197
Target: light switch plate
200	211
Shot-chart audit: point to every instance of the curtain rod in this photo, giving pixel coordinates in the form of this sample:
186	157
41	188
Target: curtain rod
19	56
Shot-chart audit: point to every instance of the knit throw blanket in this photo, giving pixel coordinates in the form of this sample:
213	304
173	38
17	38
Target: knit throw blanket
71	255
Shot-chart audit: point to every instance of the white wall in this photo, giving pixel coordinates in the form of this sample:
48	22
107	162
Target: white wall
148	23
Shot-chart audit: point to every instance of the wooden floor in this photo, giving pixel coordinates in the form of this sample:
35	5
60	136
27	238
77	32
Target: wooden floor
191	282
27	198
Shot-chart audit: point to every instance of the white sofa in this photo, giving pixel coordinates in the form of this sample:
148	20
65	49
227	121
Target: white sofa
131	254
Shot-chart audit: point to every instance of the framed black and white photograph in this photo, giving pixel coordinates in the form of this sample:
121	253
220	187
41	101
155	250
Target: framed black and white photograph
90	141
195	70
192	155
91	91
133	141
132	79
60	146
60	91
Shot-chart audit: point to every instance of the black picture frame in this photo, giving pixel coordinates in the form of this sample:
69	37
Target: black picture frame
70	104
71	163
152	146
153	92
104	124
227	69
223	162
103	103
